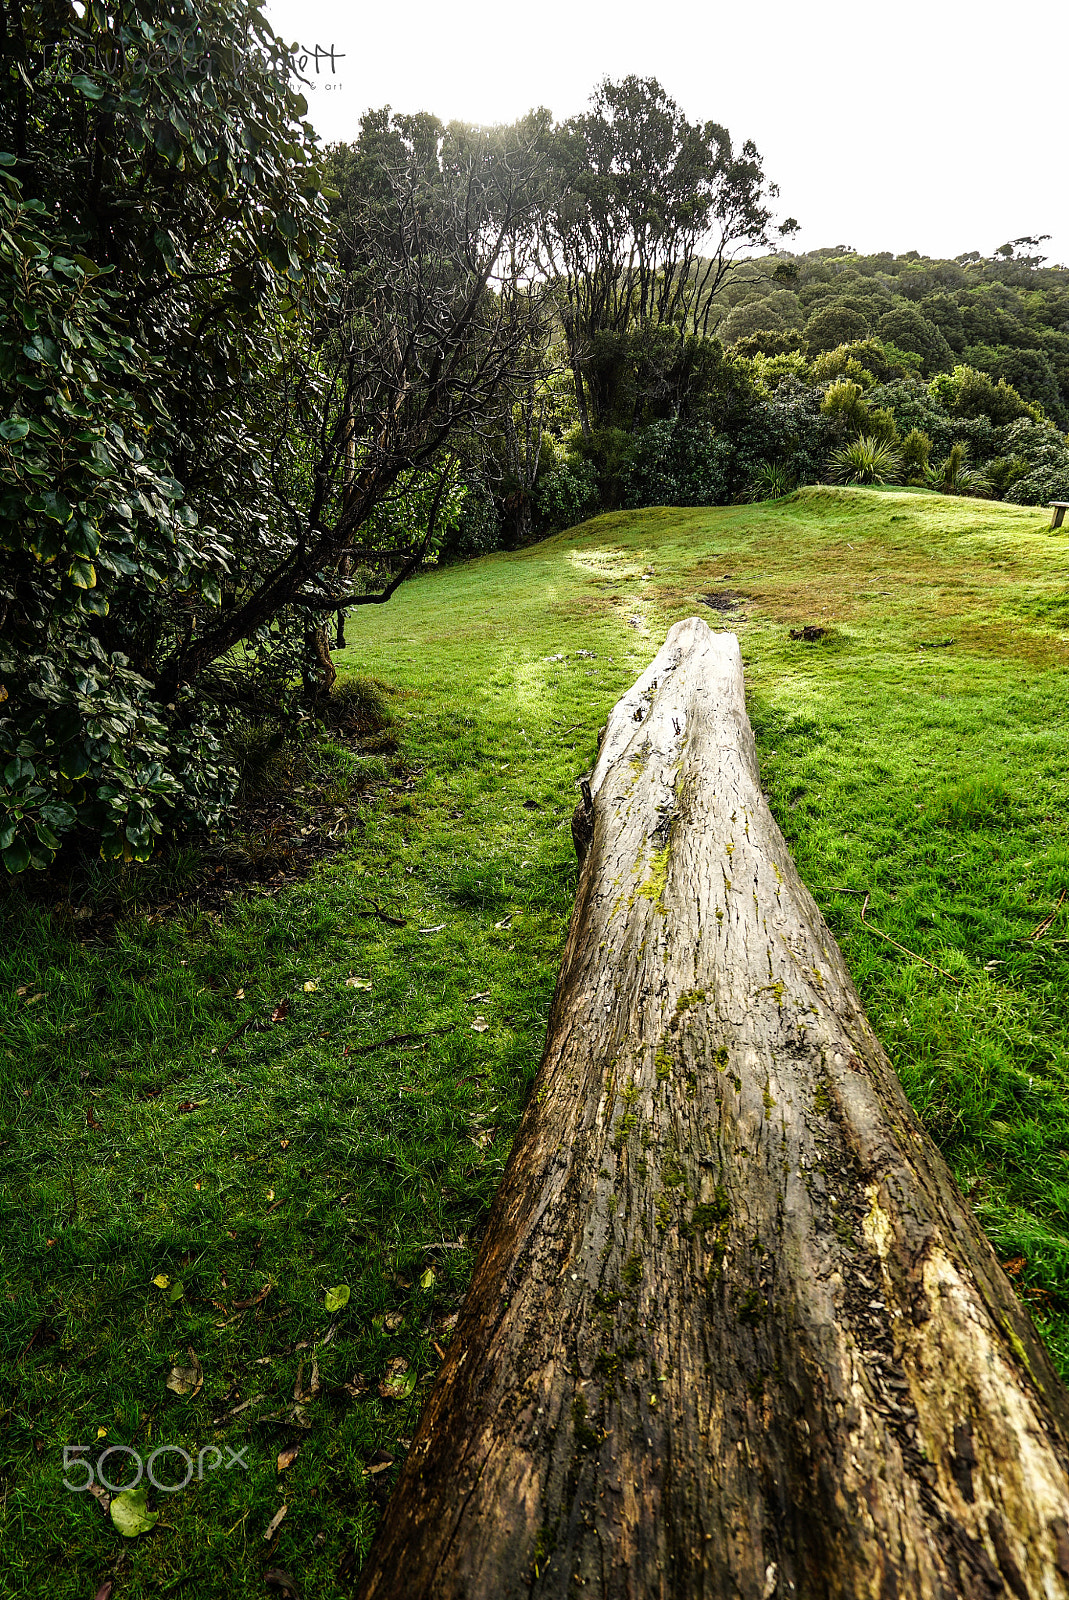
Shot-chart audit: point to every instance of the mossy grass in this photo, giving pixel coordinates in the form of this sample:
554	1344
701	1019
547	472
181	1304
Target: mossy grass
921	759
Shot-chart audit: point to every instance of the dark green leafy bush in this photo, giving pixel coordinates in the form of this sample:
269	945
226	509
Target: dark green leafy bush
1043	454
96	537
568	494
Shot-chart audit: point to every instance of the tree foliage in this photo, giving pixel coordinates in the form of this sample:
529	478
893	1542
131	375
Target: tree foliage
162	215
647	214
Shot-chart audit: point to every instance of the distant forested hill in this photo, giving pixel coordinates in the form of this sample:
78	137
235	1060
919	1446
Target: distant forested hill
1006	315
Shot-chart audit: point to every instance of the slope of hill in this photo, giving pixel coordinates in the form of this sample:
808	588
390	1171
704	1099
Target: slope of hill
214	1120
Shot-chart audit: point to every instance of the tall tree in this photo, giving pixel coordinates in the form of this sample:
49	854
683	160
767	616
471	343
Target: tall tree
650	214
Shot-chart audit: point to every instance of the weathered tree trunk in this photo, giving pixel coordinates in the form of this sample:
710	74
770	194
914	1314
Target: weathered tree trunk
733	1331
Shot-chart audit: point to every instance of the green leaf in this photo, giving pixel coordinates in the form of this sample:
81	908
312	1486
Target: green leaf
41	349
17	859
337	1297
130	1512
177	1291
427	1280
82	573
14	428
86	86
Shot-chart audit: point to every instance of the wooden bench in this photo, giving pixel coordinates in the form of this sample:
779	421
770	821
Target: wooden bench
1059	507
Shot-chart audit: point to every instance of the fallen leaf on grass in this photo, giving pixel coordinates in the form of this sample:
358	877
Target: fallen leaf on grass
104	1592
130	1512
378	1463
484	995
356	1387
162	1281
281	1011
480	1025
239	994
187	1380
275	1523
191	1105
504	923
101	1496
390	1320
338	1297
311	986
276	1578
398	1382
91	1121
292	1417
358	983
483	1137
427	1279
287	1457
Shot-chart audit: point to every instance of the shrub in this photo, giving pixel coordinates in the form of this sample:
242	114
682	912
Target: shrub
867	357
916	404
567	494
1044	453
771	342
1005	472
96	535
478	529
676	464
965	392
772	481
866	460
955	476
916	448
881	425
907	360
843	401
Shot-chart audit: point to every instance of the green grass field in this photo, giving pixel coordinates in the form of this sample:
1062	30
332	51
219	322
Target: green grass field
917	753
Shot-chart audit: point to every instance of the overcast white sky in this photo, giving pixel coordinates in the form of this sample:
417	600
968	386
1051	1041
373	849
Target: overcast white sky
939	127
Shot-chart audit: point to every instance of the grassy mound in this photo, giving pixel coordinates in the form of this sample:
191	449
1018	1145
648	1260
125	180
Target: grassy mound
319	1087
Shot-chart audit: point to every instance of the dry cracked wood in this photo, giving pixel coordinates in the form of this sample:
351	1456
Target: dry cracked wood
733	1330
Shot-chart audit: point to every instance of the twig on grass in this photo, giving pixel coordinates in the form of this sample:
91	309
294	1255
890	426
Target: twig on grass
911	953
400	1038
1038	932
383	916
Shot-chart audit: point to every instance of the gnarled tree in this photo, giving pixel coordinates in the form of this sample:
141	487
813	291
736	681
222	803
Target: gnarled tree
733	1329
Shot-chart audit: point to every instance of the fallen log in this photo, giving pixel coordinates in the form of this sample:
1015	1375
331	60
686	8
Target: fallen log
733	1330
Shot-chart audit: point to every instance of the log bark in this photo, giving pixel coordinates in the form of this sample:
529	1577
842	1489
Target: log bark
733	1330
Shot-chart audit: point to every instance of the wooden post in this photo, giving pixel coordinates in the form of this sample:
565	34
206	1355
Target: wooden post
1059	507
733	1330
